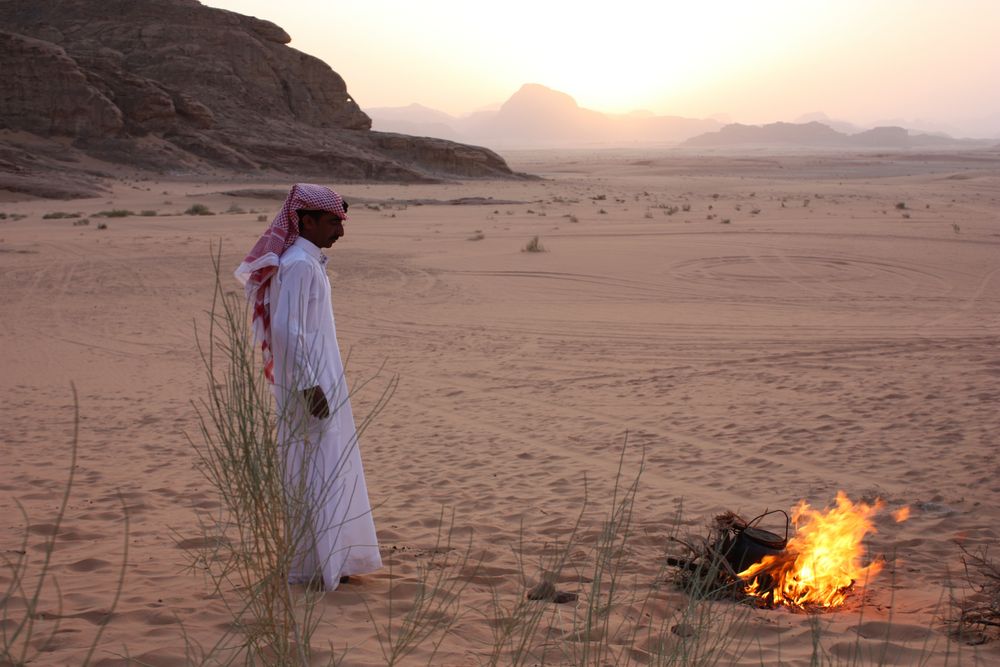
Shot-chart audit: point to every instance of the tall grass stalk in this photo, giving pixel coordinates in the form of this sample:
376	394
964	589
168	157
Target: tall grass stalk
27	585
436	604
269	496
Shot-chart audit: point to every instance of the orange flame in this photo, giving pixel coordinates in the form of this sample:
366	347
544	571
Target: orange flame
822	562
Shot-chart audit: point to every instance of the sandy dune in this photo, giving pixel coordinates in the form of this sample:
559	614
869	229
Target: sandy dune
791	334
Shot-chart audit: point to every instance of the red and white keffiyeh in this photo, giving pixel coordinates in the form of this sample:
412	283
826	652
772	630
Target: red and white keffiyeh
261	263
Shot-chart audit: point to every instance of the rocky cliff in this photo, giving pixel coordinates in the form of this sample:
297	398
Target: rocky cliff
172	85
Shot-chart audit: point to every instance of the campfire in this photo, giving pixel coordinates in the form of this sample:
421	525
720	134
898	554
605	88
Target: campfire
815	568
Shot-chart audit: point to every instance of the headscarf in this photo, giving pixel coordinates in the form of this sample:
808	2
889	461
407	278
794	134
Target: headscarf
261	263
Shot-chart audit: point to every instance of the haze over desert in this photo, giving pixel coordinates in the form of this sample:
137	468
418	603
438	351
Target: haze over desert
595	354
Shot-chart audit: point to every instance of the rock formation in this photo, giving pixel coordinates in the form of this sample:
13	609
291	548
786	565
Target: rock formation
172	85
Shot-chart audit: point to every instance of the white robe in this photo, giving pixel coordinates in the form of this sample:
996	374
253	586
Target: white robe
323	463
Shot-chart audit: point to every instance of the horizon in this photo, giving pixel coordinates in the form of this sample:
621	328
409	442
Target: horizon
929	66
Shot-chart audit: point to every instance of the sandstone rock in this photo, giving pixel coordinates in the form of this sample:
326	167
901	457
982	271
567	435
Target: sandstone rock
44	91
167	84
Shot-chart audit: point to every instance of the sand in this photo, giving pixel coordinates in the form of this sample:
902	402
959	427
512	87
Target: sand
792	334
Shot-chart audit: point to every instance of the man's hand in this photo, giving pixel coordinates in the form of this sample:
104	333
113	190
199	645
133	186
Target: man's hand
316	400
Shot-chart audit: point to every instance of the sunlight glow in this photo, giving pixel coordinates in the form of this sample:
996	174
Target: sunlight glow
761	61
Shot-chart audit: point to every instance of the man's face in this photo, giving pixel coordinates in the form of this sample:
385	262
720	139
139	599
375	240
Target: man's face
322	230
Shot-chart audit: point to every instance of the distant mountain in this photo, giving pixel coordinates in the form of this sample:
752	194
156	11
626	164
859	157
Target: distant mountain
819	135
839	125
414	119
539	117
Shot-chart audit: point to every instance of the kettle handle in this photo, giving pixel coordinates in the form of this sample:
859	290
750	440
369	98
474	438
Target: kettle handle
788	520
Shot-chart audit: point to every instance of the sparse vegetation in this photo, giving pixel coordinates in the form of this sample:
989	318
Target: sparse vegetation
686	207
149	213
235	208
901	205
29	583
114	213
977	617
261	218
102	225
59	215
725	221
198	209
477	235
80	223
755	211
956	228
534	245
602	212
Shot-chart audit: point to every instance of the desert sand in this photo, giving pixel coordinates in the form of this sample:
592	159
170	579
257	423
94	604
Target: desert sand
793	333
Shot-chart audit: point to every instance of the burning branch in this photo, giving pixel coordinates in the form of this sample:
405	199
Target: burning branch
817	568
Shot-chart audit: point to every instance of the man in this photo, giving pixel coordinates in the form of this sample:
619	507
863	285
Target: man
285	278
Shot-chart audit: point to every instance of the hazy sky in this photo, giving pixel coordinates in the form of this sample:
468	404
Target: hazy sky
754	60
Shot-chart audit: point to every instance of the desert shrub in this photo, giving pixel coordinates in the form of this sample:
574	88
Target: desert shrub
901	205
79	223
534	245
148	213
477	236
102	225
198	209
976	617
261	218
725	221
59	215
114	213
235	208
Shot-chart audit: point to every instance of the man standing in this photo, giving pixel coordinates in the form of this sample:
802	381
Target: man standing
333	535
